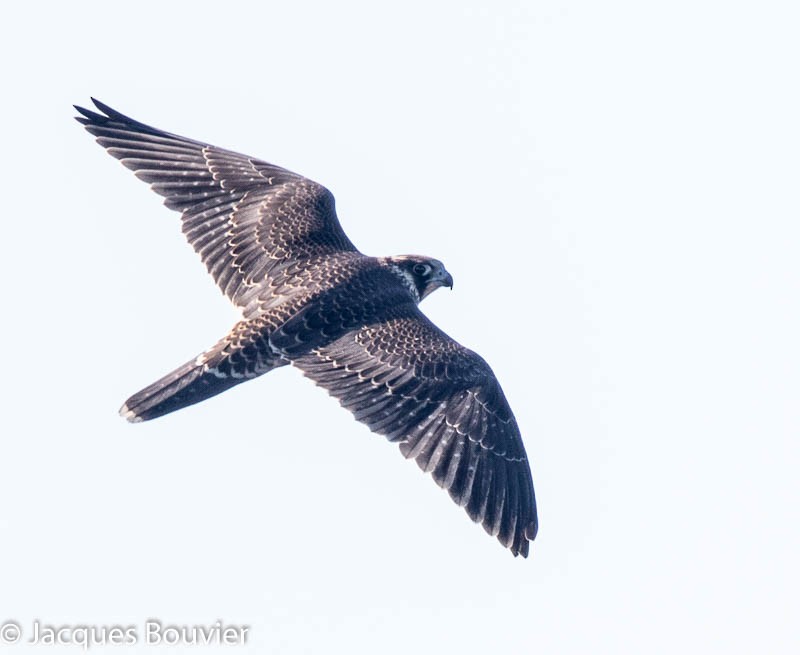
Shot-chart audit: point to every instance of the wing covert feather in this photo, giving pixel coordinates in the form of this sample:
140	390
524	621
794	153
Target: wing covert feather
406	379
245	217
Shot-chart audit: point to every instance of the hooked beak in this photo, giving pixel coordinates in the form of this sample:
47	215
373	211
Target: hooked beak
440	279
445	279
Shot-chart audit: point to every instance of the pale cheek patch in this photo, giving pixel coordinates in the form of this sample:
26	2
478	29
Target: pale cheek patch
408	281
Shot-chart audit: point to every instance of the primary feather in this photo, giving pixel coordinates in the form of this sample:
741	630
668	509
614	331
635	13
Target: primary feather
351	323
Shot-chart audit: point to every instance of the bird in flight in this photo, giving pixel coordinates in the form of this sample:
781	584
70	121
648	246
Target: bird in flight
350	322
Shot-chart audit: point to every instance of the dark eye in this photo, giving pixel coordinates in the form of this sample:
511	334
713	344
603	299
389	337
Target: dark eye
421	269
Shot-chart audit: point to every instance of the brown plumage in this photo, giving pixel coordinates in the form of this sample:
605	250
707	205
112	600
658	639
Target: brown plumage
351	323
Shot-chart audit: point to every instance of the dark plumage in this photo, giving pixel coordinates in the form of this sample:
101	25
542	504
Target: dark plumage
351	323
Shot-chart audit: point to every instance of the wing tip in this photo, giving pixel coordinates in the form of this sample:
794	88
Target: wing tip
522	542
525	538
89	118
108	118
108	113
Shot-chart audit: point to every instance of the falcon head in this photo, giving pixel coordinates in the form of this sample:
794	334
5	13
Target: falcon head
423	275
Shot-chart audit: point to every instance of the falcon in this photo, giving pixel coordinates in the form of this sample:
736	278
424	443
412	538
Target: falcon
350	322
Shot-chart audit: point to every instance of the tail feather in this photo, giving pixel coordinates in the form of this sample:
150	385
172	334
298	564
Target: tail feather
187	385
243	354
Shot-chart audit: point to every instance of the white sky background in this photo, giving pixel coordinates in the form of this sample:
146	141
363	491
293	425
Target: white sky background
614	187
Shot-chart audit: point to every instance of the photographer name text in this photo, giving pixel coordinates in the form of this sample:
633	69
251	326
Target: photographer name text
152	632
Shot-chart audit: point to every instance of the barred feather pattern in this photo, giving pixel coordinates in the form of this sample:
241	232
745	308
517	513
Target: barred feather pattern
406	379
245	217
273	243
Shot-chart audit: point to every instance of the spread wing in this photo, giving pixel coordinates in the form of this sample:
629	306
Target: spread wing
409	381
245	217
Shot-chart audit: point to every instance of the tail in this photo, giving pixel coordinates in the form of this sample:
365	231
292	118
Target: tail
185	386
242	355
